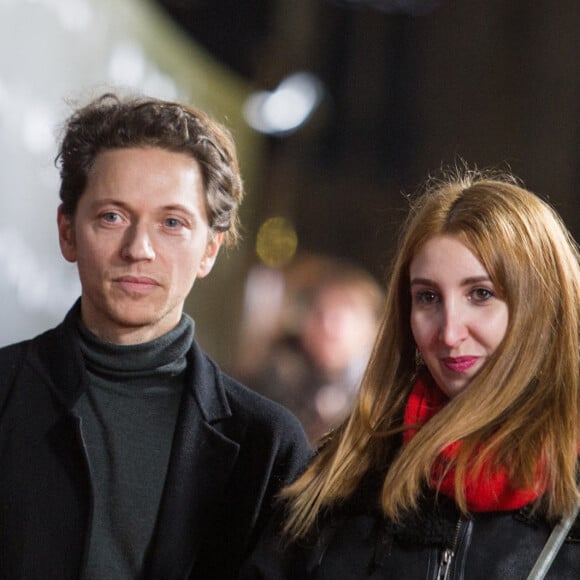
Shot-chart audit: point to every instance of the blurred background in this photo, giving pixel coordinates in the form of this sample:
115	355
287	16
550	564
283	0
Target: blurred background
340	110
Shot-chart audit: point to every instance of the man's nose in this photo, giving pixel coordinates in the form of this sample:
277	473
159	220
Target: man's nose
137	244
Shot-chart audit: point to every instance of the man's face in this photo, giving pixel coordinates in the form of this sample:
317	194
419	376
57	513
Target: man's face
339	329
140	237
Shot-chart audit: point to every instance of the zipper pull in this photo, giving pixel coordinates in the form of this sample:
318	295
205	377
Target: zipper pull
445	565
449	553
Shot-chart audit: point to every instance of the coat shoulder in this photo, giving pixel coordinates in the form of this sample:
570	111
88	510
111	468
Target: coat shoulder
11	360
11	355
261	413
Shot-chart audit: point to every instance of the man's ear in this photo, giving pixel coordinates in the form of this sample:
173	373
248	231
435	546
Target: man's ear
66	235
211	252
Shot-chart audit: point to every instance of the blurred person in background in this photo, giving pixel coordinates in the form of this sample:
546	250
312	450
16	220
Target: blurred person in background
125	452
315	359
460	457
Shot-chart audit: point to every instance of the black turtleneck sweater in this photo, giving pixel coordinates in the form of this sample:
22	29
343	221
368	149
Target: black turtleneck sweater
128	415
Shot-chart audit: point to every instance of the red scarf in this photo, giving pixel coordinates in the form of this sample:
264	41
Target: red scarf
487	491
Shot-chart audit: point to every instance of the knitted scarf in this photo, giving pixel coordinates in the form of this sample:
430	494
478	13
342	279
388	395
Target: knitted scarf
488	491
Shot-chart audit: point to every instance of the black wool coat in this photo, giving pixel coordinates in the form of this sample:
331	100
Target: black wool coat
232	452
354	541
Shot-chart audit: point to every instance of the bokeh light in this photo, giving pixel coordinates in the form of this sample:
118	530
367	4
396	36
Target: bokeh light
276	242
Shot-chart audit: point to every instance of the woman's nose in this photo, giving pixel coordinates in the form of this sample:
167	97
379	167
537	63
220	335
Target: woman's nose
453	325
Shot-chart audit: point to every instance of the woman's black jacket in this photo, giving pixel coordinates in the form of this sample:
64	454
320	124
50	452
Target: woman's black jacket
354	541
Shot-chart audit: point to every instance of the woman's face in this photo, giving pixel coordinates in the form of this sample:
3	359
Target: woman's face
457	319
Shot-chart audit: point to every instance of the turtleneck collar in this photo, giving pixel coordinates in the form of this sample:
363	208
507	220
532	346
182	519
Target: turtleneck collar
163	356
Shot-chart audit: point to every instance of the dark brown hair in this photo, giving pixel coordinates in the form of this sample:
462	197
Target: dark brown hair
114	122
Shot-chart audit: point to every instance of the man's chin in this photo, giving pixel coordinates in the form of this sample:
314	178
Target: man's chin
133	319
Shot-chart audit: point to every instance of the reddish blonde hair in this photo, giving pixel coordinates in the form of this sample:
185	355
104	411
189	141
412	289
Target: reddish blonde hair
528	391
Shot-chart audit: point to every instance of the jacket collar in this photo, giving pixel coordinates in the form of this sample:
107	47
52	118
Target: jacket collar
207	387
58	354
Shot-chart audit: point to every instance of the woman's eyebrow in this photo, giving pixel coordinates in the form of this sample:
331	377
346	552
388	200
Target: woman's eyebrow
464	282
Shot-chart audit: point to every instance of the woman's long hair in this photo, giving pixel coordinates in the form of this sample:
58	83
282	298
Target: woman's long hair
521	410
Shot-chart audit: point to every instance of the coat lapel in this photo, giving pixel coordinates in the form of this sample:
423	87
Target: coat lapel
201	461
57	358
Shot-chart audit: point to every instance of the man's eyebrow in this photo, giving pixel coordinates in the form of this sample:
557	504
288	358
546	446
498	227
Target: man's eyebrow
122	204
108	201
177	207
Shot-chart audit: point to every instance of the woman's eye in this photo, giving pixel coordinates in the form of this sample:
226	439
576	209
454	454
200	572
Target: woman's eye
482	294
425	297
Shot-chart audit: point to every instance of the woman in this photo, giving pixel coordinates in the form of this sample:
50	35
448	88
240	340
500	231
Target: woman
461	453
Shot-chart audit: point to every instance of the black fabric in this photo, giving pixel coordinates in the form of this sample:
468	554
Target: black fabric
232	451
354	541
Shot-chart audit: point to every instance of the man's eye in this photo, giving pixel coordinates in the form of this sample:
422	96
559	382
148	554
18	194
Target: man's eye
173	223
111	217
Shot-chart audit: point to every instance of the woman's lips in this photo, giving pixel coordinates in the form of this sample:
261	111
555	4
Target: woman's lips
459	364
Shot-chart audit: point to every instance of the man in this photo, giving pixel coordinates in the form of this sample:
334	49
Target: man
125	452
326	332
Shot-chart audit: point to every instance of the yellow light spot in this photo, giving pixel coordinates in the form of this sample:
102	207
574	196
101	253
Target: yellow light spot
276	242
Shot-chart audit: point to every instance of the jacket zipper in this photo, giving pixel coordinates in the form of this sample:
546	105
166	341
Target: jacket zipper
449	553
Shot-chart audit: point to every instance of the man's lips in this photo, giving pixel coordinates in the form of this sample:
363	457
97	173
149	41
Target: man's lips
137	283
459	364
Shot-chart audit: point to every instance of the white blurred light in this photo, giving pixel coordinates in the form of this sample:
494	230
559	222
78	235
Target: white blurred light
3	94
157	84
37	286
286	108
264	296
37	129
127	64
73	14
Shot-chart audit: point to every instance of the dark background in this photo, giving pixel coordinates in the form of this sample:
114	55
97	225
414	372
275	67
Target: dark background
411	86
